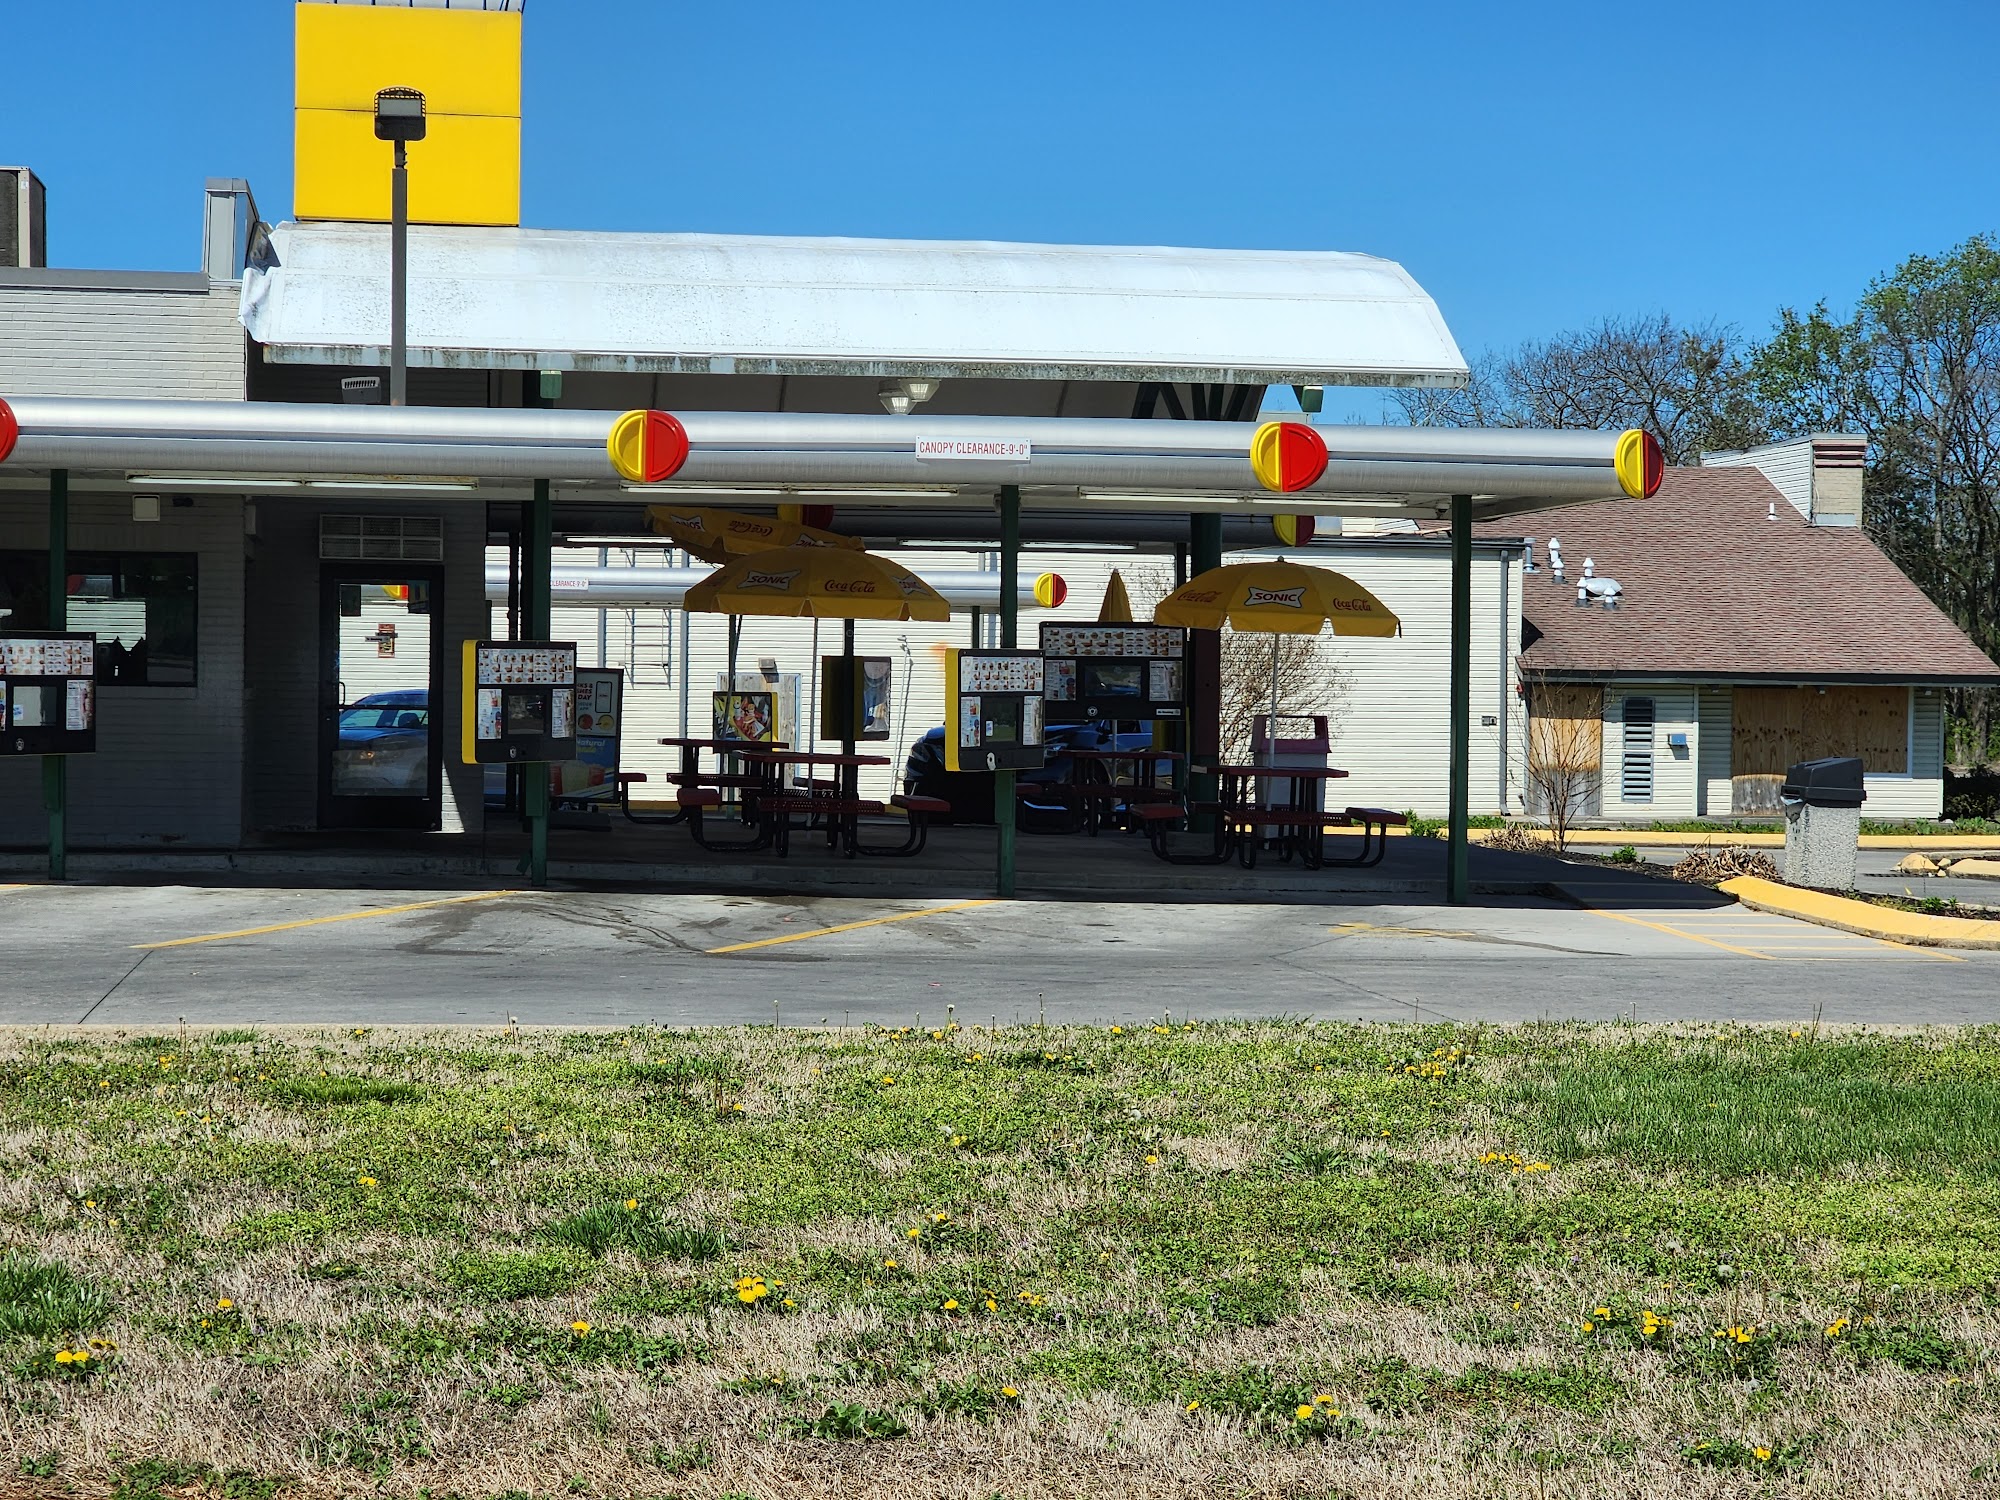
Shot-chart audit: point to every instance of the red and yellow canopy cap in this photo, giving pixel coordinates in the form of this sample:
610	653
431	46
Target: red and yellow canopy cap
1050	590
1639	464
1287	456
647	446
10	430
1293	531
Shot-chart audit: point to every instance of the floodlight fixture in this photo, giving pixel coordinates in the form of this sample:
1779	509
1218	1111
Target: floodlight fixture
399	115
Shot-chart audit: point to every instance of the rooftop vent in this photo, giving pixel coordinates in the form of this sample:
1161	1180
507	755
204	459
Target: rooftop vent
24	228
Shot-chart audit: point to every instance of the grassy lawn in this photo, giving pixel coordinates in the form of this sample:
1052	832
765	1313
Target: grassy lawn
1226	1260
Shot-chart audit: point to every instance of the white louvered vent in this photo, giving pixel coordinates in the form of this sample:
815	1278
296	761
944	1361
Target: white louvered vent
1636	764
381	538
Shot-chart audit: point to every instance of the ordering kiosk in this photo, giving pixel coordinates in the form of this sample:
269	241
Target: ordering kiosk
993	711
1115	672
48	693
520	701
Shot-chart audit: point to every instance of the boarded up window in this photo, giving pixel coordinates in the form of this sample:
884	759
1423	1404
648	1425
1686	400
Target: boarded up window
1775	727
1566	725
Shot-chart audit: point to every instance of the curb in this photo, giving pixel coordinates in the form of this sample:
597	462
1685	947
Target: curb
1646	839
1863	918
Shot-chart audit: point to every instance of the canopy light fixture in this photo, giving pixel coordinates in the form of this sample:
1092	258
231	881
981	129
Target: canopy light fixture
902	396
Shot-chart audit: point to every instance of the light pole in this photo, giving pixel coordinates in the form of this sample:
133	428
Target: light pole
399	117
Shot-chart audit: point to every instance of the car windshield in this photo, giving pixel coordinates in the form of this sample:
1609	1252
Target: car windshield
384	717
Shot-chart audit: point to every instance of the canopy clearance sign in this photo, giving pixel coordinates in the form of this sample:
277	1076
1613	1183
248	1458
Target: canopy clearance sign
990	450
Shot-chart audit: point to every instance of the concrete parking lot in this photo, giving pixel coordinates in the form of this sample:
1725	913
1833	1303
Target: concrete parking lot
144	955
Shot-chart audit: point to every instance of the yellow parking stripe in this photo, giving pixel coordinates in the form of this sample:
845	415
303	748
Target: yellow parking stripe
1692	937
346	916
800	937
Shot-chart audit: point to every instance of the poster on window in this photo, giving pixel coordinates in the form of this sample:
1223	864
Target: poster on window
968	724
77	708
562	713
489	713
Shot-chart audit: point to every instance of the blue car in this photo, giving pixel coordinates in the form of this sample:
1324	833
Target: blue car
970	793
385	746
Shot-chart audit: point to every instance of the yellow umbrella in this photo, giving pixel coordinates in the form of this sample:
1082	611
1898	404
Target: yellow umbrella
823	583
1117	606
716	535
1278	597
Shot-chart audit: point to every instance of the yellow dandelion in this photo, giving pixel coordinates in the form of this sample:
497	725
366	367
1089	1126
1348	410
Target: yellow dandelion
914	1233
1764	1454
1303	1413
1194	1406
1588	1326
1152	1161
579	1328
790	1303
991	1305
951	1304
1010	1393
631	1205
889	1265
63	1356
1118	1031
224	1303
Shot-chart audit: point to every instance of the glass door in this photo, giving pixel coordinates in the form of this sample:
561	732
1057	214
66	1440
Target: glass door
381	742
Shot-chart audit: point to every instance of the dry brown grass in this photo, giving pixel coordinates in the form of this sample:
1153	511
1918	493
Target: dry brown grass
333	1358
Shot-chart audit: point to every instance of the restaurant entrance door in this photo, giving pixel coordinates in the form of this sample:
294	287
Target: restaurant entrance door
381	743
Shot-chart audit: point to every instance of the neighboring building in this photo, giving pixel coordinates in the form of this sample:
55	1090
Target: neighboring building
1756	625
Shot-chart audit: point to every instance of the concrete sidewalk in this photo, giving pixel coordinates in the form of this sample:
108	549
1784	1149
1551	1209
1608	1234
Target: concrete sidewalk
958	864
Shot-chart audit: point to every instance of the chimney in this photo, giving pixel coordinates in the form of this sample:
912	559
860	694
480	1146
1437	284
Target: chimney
229	218
1819	475
1838	463
24	226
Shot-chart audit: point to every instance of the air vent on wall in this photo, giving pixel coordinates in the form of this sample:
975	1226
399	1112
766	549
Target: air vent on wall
381	538
1636	764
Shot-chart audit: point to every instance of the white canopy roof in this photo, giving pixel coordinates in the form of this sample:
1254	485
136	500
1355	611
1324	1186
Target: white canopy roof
738	304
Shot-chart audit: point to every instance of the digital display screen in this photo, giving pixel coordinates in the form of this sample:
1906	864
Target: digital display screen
1003	720
1113	679
527	713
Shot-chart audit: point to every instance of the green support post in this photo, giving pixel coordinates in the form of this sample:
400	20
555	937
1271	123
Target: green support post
1010	609
1458	883
55	768
537	563
1203	731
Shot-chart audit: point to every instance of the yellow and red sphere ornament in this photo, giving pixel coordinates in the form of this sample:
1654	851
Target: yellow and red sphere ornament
1287	456
1639	464
1293	531
1050	590
647	446
10	430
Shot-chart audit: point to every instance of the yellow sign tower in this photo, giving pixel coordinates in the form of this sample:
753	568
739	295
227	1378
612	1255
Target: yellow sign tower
467	63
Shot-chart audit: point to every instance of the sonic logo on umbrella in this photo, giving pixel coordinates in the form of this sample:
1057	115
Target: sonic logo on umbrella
1288	598
779	581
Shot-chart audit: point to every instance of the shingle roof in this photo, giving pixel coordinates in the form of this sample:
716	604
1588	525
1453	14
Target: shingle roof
1713	587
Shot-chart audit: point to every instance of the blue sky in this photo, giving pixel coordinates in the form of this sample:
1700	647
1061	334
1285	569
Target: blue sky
1535	166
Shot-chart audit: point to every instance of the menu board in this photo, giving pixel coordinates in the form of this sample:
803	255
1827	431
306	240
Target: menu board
527	666
994	715
48	694
519	702
1118	672
999	672
1113	640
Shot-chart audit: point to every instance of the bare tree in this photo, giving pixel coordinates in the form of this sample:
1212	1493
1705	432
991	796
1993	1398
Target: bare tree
1562	770
1685	385
1309	682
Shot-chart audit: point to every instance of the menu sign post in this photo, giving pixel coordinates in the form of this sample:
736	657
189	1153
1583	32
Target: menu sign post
48	693
1115	671
993	711
855	698
520	702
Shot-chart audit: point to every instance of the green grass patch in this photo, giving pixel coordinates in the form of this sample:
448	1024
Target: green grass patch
45	1299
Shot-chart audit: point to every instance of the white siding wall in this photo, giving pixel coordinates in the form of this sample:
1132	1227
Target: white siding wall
177	345
1675	772
1789	467
169	763
1717	715
1390	724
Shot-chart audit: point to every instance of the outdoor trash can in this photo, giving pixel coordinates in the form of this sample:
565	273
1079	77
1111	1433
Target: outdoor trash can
1822	801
